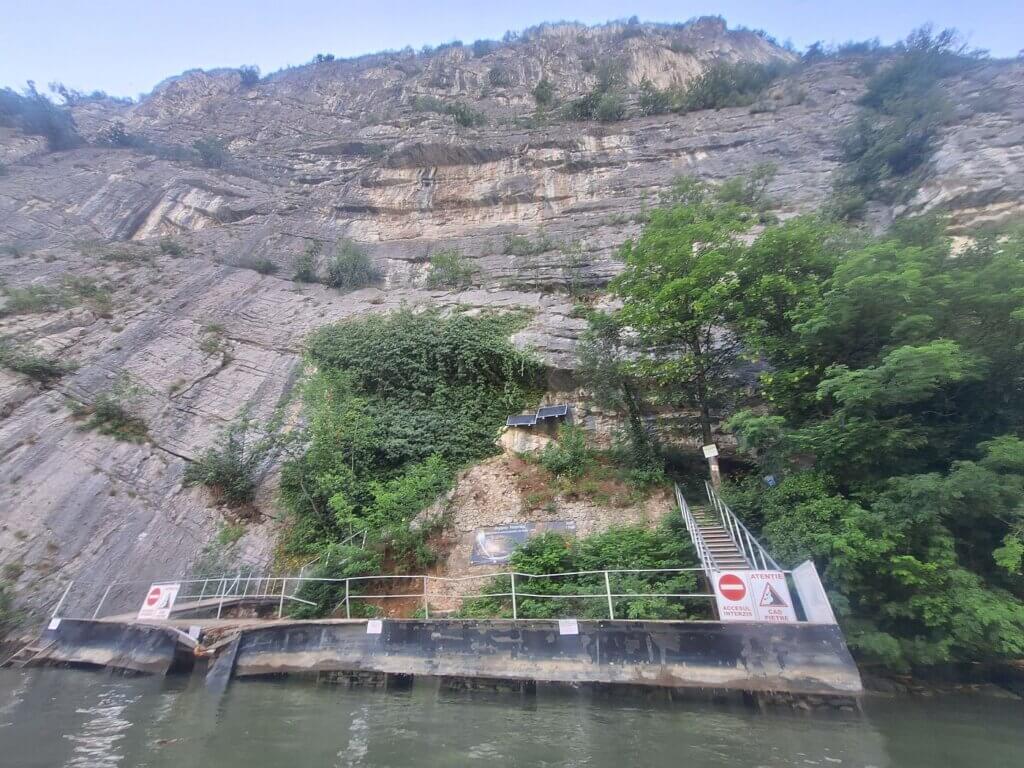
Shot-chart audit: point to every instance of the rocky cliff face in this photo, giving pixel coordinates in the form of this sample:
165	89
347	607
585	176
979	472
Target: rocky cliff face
344	149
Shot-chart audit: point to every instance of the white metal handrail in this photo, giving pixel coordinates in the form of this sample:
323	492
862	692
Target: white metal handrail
219	591
744	540
707	557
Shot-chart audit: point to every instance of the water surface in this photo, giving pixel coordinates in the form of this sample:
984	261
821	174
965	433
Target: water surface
81	719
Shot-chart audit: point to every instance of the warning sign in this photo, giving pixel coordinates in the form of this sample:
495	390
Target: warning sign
159	601
771	596
733	596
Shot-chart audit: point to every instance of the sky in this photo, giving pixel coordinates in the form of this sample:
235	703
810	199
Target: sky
125	48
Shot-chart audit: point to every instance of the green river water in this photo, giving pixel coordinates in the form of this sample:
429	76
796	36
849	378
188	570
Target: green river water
52	718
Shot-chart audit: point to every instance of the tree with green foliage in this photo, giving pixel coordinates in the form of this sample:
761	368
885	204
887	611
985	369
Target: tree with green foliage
895	371
678	288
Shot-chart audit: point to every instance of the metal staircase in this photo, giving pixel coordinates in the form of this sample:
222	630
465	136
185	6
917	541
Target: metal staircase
722	541
27	655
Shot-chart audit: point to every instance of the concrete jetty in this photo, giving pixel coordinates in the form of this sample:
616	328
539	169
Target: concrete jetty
802	659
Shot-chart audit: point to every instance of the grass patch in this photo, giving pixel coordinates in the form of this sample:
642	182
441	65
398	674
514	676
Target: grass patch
111	412
42	368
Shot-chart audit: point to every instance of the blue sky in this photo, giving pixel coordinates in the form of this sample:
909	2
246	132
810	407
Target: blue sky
125	48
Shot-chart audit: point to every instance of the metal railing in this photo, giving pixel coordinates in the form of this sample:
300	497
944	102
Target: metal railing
745	541
704	553
219	592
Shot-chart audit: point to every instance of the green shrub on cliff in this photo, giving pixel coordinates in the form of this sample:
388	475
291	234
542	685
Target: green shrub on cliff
229	468
626	547
396	406
42	368
350	267
450	269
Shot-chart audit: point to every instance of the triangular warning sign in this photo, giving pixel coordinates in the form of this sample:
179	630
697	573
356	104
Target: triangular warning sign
771	599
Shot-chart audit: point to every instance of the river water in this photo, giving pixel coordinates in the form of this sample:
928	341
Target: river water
80	719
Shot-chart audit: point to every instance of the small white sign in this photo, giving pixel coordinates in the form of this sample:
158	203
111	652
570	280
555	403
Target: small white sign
159	602
568	627
374	627
710	451
194	631
54	623
771	596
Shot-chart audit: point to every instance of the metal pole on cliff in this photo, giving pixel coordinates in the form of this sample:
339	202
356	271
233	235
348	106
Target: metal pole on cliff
426	599
62	599
711	454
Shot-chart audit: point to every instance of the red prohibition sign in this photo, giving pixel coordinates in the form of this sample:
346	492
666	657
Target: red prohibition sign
153	597
732	587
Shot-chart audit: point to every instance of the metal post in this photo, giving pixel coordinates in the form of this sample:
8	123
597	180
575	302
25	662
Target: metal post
426	600
280	605
514	613
608	591
348	607
203	593
223	591
62	599
102	600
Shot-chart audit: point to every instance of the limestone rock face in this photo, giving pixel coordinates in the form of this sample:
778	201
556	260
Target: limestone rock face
353	149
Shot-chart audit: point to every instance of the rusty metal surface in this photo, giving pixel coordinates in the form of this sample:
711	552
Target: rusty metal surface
797	658
126	646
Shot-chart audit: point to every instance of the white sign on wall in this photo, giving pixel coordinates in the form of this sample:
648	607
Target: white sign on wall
771	597
710	451
568	627
374	627
159	602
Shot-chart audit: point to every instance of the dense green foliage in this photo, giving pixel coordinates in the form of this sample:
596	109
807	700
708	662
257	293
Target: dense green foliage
887	148
397	405
891	406
627	547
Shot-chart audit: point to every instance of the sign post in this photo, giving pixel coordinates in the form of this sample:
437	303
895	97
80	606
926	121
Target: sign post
159	602
711	454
